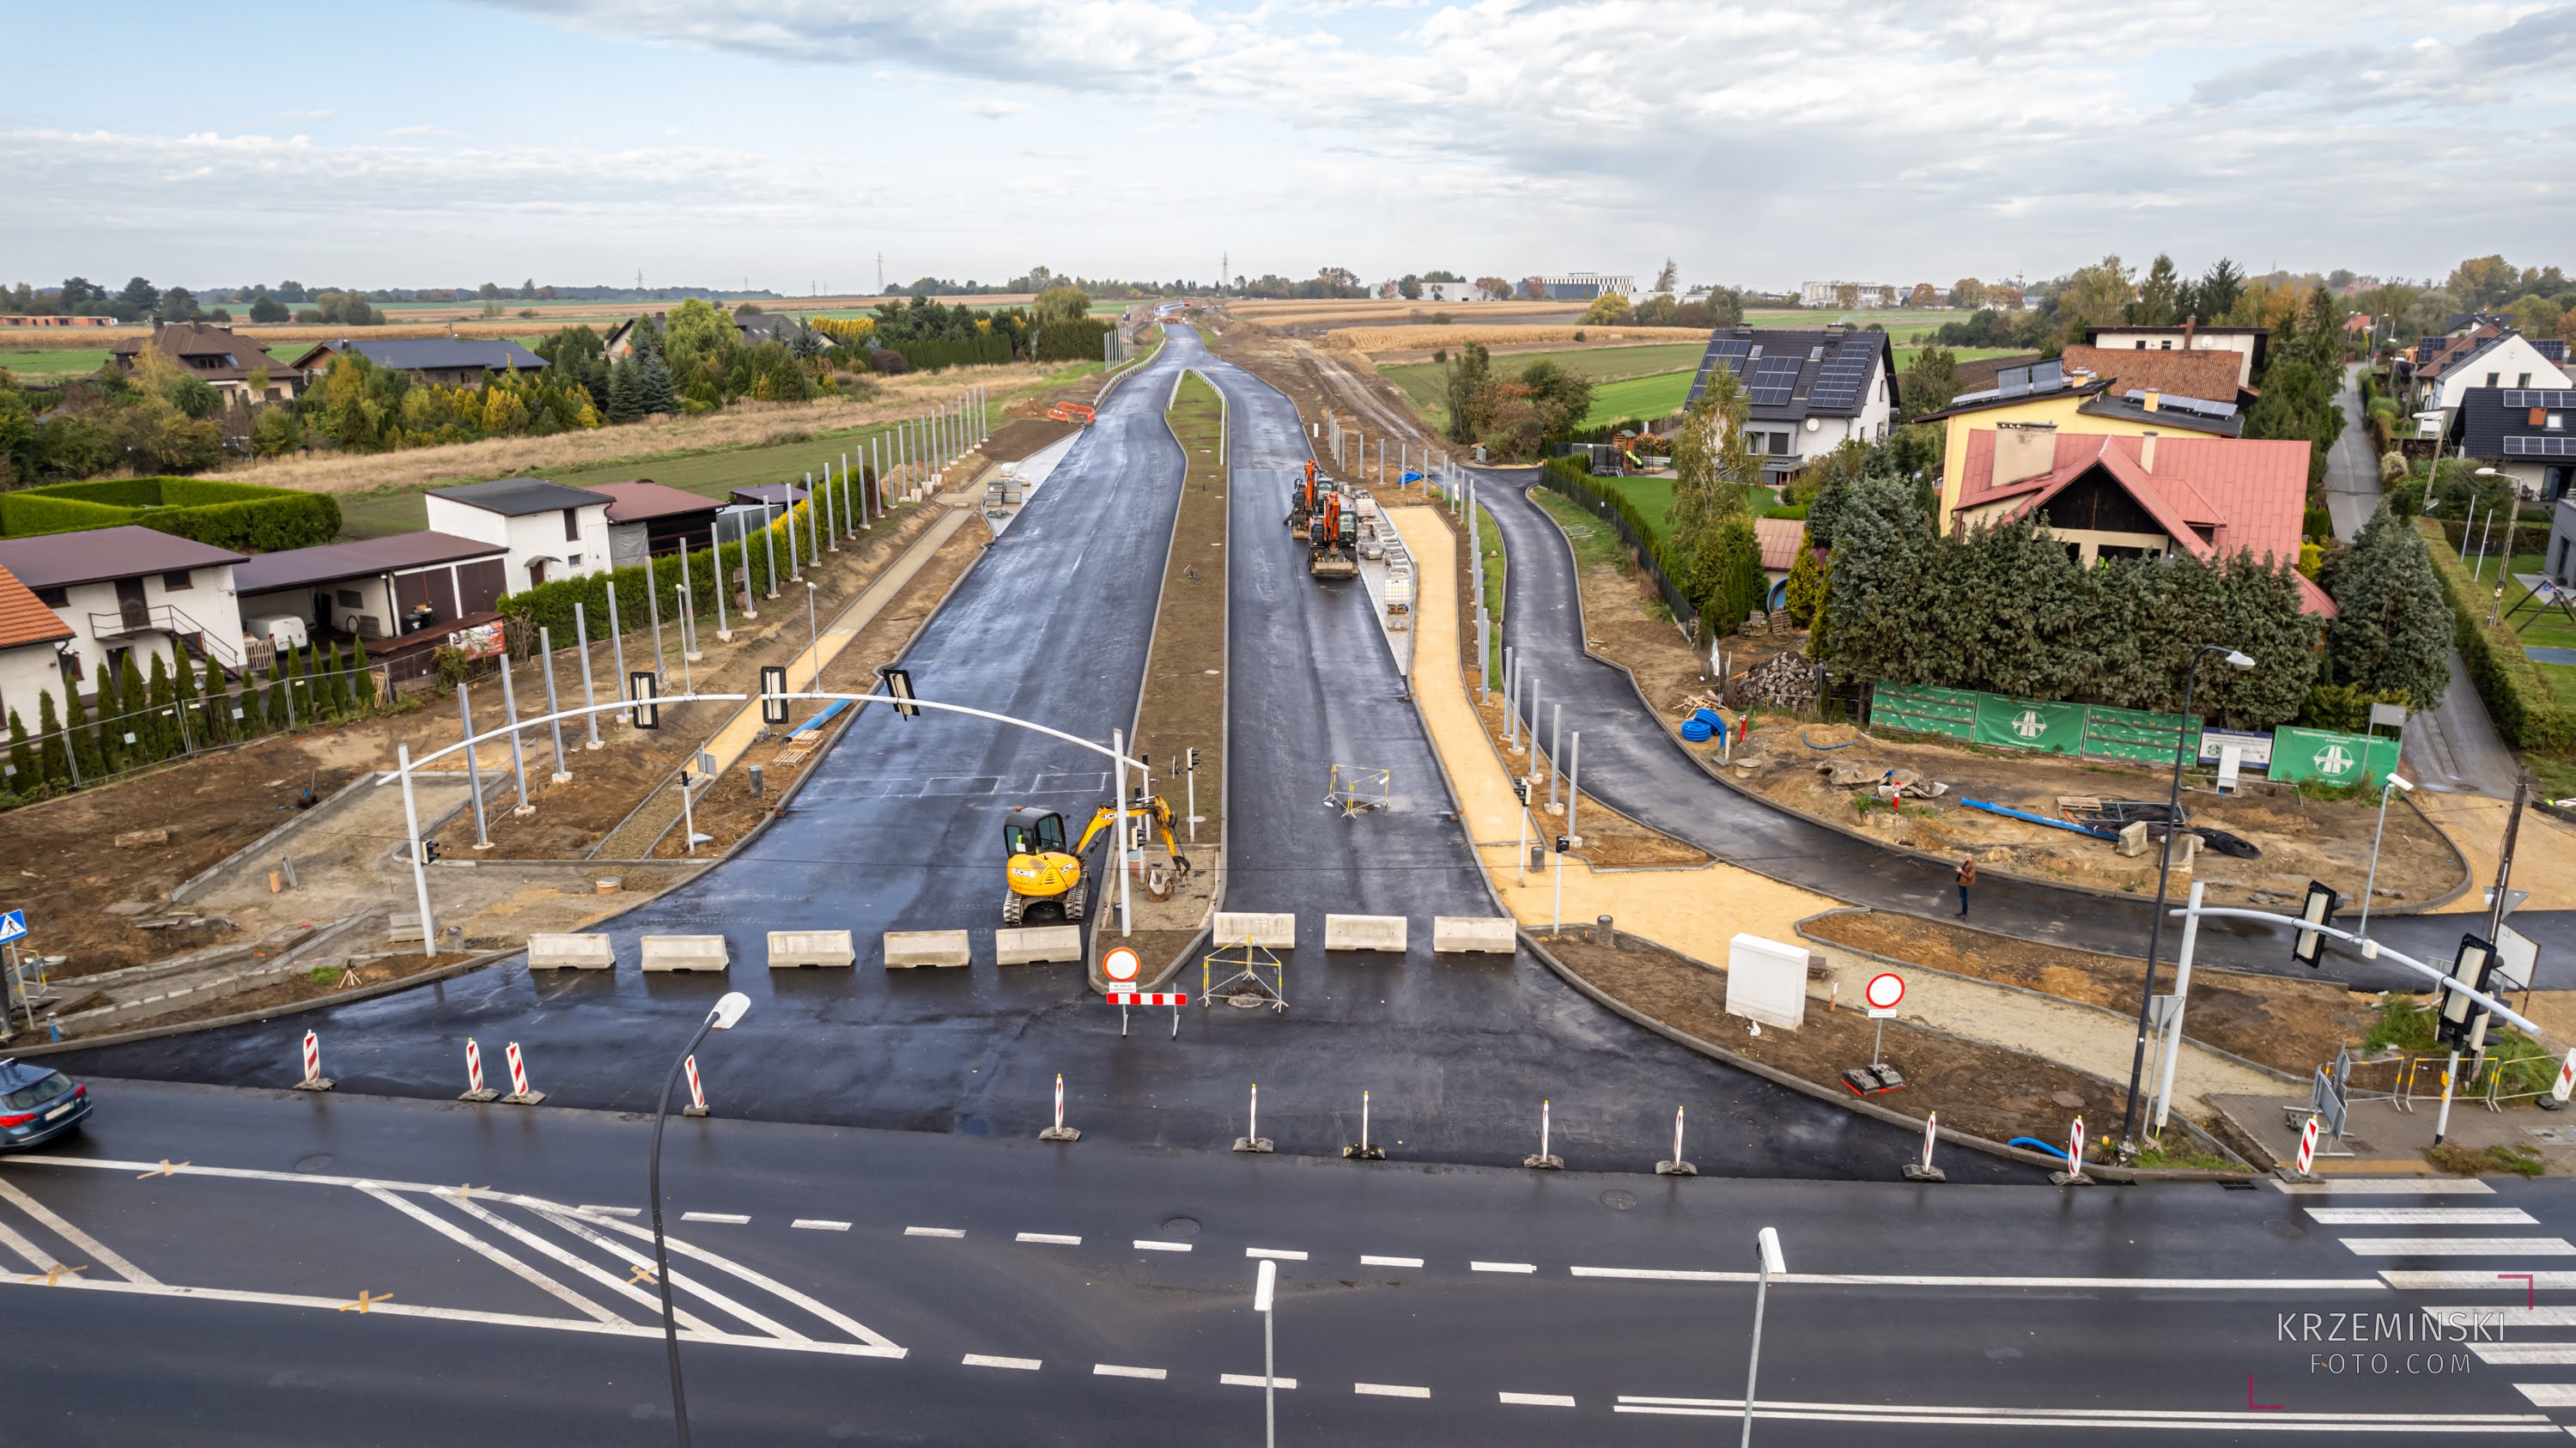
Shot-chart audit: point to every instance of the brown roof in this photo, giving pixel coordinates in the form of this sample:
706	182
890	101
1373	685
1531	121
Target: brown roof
645	498
1779	538
365	558
236	357
2208	373
24	619
57	560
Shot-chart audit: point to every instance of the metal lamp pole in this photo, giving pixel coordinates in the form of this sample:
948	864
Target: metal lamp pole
2395	781
1768	1242
814	637
2164	872
727	1012
1263	1293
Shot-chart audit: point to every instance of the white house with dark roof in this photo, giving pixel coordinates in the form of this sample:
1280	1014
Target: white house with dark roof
131	589
2527	434
550	531
451	361
2487	356
1811	390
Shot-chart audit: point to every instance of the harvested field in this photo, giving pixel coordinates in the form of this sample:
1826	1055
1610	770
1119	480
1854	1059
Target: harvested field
1424	338
1980	1089
2285	1023
1357	309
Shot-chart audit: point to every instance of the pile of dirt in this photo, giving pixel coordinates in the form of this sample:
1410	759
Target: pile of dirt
295	989
1022	436
2285	1023
1983	1090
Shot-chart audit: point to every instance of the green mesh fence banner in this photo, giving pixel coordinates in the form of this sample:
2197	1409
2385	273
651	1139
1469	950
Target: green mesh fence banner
1924	710
2133	735
2030	724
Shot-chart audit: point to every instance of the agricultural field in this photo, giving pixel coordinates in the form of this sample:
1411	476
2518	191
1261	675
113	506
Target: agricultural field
1649	398
53	361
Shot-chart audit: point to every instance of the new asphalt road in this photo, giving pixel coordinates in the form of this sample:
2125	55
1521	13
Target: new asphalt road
253	1267
1634	765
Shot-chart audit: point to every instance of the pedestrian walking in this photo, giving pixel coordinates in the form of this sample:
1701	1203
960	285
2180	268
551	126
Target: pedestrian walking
1967	877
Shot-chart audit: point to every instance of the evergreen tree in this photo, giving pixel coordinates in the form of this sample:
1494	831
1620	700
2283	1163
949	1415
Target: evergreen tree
2159	302
160	720
112	723
183	694
277	680
84	737
335	685
363	681
1878	559
2012	607
2393	627
23	775
653	386
623	403
52	754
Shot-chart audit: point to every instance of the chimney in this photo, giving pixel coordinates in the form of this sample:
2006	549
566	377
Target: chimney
2189	326
2023	450
2147	449
2152	400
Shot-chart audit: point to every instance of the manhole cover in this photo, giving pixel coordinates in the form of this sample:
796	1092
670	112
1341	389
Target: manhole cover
1244	999
319	1161
1617	1200
1181	1227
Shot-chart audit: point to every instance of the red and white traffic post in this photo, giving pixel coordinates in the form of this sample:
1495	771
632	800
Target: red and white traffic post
313	1080
520	1095
2566	1079
1060	1131
1677	1166
1924	1170
475	1090
2307	1145
2075	1151
697	1092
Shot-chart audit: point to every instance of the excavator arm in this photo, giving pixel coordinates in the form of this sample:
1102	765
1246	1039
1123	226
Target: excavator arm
1158	810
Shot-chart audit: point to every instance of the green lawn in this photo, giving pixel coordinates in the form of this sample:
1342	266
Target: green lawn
1646	397
1902	324
54	361
1905	355
2550	629
1653	497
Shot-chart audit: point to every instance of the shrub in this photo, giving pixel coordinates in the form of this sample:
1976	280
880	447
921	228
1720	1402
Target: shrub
244	516
2525	711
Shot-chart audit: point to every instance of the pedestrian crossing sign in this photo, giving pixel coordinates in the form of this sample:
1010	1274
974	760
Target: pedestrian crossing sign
12	926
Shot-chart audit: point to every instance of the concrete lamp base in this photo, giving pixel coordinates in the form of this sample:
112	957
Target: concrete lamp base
1252	1143
523	810
1544	1163
524	1098
1061	1133
1675	1168
561	776
2068	1179
486	1094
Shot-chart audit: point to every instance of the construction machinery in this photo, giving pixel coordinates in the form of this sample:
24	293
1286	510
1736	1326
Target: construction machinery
1302	497
1332	536
1043	870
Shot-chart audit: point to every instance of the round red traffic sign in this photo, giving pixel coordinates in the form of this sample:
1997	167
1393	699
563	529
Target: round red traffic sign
1121	964
1885	989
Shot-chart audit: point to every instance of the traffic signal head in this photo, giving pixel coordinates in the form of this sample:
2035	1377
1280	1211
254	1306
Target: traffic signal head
2308	947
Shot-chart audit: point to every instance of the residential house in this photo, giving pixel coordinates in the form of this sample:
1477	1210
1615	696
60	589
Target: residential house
645	516
2044	395
2527	434
550	531
1810	390
2208	373
762	327
2560	561
2250	344
448	361
2147	496
30	664
375	588
235	366
131	590
2490	354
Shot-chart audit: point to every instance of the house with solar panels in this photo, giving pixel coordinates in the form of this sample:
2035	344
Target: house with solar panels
2526	433
1811	390
2489	355
2049	398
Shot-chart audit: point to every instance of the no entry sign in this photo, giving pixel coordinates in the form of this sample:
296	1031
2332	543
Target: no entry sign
1885	989
1121	965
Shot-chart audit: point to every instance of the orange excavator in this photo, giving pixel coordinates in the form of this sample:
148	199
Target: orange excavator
1330	535
1301	498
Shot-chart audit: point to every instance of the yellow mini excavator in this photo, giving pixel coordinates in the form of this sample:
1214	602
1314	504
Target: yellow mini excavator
1042	871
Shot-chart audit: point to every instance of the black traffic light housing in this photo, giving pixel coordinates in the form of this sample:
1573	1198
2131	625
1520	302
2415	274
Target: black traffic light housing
773	686
644	695
2308	947
2460	1022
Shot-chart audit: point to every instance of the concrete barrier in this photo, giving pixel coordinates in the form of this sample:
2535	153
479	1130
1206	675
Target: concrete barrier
789	949
1271	932
570	952
1033	944
1472	935
1364	932
906	948
685	952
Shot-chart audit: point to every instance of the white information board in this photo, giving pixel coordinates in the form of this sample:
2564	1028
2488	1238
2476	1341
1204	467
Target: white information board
1766	981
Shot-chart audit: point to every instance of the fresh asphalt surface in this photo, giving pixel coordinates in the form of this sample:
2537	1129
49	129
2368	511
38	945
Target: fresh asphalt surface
1483	1292
900	829
1631	763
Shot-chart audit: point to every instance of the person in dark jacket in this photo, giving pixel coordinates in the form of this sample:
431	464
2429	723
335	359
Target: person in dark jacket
1967	877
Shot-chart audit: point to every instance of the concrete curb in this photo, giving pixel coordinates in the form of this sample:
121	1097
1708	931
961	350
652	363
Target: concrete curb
2228	1056
1870	1109
364	992
340	801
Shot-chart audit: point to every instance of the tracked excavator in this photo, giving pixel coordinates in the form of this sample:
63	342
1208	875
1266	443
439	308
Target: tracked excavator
1332	536
1043	871
1302	498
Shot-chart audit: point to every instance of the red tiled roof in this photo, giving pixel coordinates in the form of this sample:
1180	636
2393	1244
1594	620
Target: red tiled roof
2252	494
1780	538
24	619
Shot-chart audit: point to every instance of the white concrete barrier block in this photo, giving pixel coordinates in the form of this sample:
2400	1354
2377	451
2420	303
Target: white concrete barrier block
1032	944
1271	932
1473	935
570	952
1364	932
685	952
789	949
906	948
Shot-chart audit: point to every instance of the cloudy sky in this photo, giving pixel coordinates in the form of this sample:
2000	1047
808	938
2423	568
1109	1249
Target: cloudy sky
785	143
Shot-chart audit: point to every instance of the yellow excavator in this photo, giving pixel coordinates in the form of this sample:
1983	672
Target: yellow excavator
1042	871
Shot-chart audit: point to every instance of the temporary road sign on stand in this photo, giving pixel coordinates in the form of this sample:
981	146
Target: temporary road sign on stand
1884	991
13	926
1122	999
2566	1079
2307	1145
1120	965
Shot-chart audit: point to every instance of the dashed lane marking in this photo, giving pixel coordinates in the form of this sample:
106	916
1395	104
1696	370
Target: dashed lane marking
1503	1266
727	1219
1049	1239
2545	1314
1538	1400
2156	1284
987	1360
2273	1420
2460	1246
99	1251
933	1232
1367	1261
818	1224
1113	1370
1280	1254
1389	1390
607	1211
2423	1216
1148	1244
1254	1380
2551	1354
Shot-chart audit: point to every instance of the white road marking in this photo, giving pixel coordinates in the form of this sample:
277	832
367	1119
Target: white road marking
2475	1281
2461	1246
623	1286
35	1256
1051	1239
611	1211
1389	1390
2384	1187
933	1232
1537	1400
2551	1354
98	1251
2545	1314
1367	1261
495	1255
765	1283
1148	1244
2160	1284
1503	1266
2549	1395
460	1314
679	1281
1254	1380
2213	1420
1281	1254
818	1224
2423	1216
987	1360
1113	1370
729	1219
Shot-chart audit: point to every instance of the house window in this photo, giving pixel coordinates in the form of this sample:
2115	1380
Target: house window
2557	422
2491	378
174	582
2525	382
572	526
54	597
2166	346
573	561
349	598
2142	344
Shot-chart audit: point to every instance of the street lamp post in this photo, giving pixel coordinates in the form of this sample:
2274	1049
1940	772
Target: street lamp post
1768	1242
1264	1288
728	1011
2164	872
814	638
2395	781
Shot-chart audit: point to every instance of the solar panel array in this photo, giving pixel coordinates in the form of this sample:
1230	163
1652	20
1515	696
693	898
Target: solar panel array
2199	406
1729	350
1845	374
2539	397
2540	447
1774	378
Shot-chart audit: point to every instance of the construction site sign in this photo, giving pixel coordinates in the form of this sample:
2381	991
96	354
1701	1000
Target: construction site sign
2029	724
2331	758
1921	709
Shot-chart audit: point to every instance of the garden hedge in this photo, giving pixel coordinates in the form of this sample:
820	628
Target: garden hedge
2526	713
243	516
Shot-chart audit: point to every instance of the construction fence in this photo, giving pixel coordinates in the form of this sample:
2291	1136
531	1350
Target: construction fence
2100	731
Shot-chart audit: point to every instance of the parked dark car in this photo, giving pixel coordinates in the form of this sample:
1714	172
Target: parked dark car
38	1103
